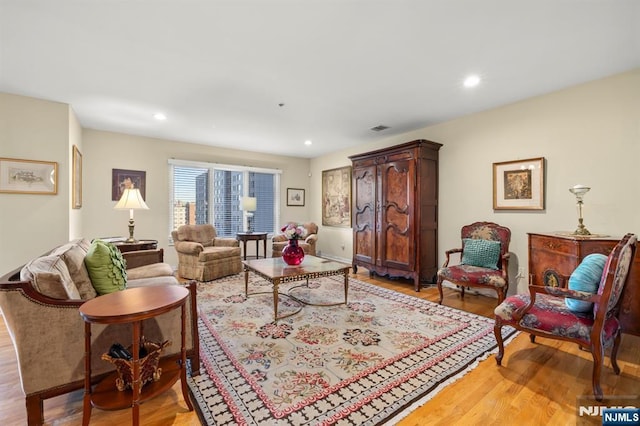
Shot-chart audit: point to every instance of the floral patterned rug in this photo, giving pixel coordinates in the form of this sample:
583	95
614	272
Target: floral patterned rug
359	364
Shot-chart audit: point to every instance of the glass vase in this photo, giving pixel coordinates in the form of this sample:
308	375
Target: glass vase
292	254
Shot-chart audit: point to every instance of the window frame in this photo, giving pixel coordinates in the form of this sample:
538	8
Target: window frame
212	167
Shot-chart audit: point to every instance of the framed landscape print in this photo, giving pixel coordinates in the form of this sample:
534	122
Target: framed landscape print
123	179
295	197
336	197
519	185
28	176
76	201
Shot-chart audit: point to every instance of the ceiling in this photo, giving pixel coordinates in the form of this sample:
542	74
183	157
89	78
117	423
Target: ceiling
266	75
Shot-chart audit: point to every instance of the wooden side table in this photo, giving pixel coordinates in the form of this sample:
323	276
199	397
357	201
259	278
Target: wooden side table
252	236
133	306
138	245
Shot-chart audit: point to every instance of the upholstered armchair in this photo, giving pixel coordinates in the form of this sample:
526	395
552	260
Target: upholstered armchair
560	313
484	260
204	256
308	244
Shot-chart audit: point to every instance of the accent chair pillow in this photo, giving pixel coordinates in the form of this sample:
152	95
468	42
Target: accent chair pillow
481	253
586	277
106	267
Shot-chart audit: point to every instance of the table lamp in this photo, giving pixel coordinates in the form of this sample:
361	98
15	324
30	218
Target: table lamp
579	191
249	205
131	199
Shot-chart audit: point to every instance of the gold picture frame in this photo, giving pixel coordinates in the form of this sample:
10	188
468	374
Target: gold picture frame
519	184
76	178
28	176
336	197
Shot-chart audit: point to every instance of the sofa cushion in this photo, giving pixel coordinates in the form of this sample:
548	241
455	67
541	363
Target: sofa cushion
152	281
148	271
73	255
106	267
50	265
480	253
217	253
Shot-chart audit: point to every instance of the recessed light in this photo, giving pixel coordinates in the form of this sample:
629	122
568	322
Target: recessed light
471	81
159	116
307	143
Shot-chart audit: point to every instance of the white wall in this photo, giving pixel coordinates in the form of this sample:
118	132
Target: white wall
104	151
589	134
33	129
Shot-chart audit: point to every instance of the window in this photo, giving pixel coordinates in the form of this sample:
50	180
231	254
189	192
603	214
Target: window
211	193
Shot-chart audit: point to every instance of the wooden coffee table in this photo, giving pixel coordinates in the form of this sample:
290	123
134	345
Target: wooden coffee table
133	306
277	272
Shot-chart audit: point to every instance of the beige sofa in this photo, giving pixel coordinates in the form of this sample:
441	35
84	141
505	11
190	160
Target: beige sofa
48	332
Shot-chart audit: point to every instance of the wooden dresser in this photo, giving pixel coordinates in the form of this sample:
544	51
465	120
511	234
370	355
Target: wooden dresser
553	257
395	211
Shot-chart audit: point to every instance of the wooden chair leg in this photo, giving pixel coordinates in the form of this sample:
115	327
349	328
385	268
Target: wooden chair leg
439	284
614	353
35	410
462	292
597	351
497	331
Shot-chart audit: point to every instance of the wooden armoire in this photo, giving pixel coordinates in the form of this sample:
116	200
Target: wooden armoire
395	211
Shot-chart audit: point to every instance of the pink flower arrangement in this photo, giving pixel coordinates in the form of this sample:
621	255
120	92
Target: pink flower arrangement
293	231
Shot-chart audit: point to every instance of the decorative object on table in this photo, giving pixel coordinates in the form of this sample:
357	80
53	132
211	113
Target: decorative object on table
124	179
249	205
280	241
292	253
519	185
579	191
28	176
132	200
149	359
76	191
336	197
295	197
393	349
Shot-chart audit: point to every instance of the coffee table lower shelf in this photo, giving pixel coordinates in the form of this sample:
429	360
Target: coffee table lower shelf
106	396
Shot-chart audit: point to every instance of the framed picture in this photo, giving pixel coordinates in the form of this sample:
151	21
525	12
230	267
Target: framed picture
76	198
295	197
124	179
336	197
519	185
28	176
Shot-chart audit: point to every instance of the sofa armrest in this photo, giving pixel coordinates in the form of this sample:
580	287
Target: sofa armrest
188	247
311	239
225	242
139	258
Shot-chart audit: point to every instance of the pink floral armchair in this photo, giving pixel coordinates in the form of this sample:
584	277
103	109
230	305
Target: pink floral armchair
484	259
544	312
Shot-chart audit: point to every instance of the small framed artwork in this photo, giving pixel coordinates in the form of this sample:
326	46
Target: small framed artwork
124	179
295	197
336	197
76	198
28	176
519	185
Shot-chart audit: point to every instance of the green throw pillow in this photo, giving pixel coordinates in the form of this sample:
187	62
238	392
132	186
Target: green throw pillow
481	253
107	268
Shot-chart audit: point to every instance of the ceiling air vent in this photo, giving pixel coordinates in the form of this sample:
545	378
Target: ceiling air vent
379	128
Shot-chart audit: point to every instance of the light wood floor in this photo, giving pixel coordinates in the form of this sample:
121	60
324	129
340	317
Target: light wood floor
538	384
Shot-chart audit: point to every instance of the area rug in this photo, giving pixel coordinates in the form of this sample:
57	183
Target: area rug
359	364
